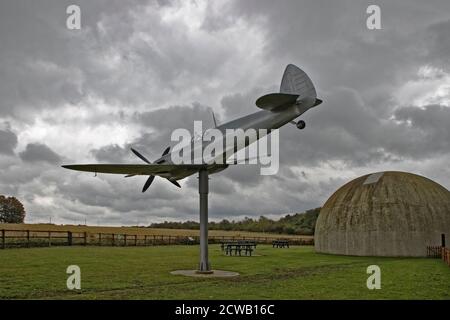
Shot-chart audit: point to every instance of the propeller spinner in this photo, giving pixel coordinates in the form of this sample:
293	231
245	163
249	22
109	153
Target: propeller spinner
151	177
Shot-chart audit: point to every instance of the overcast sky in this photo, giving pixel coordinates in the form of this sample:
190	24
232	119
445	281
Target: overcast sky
137	70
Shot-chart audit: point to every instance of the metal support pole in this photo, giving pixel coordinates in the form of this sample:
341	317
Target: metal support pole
203	188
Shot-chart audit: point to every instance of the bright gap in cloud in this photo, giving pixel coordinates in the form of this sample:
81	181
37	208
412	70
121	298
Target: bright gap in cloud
72	131
192	13
432	86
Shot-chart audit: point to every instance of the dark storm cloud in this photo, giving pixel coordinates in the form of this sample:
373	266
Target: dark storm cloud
159	125
438	43
47	65
173	117
353	70
36	152
430	126
8	142
240	104
162	199
110	154
350	130
330	41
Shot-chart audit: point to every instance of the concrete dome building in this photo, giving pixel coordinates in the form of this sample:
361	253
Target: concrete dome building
384	214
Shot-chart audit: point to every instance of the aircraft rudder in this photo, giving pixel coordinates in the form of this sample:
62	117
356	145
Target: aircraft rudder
296	81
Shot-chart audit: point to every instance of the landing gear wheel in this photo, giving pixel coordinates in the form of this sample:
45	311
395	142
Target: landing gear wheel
301	124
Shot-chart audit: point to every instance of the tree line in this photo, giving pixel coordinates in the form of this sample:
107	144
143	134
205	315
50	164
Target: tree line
295	224
12	211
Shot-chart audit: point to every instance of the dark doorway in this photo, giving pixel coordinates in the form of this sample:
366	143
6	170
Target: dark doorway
443	239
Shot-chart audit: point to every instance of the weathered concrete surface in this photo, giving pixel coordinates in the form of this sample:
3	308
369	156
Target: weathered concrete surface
389	214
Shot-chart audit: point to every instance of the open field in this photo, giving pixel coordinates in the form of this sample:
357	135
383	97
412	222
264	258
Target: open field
140	231
143	273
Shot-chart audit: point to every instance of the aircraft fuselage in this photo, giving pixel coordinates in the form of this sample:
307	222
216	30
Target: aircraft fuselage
259	120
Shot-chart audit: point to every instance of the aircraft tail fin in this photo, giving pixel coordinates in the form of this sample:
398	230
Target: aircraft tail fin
296	81
295	86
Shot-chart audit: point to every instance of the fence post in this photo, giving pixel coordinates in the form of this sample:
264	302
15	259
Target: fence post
145	240
154	238
135	240
85	238
100	239
28	238
125	240
69	238
49	238
113	241
3	239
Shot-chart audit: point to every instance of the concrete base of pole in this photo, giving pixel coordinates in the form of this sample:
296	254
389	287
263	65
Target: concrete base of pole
209	274
204	271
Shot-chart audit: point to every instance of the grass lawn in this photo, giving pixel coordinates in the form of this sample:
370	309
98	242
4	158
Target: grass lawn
143	273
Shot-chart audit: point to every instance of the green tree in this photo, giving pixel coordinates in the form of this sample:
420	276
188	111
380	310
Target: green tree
11	210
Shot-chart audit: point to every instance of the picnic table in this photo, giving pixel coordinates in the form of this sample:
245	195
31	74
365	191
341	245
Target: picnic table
237	247
280	243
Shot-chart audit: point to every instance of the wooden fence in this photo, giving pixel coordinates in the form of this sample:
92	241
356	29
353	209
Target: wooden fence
439	252
446	255
43	238
434	251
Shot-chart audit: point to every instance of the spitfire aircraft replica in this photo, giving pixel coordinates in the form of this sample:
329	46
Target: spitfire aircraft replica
297	95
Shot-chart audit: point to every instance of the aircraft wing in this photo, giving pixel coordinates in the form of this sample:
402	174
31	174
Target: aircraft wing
134	169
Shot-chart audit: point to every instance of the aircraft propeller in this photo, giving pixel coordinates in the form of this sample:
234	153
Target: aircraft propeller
151	177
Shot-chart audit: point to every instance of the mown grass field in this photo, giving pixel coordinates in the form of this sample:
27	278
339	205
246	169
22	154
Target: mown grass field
140	231
143	273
